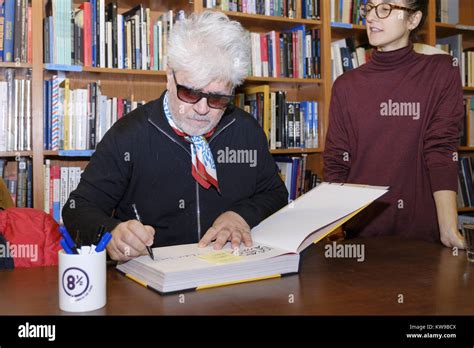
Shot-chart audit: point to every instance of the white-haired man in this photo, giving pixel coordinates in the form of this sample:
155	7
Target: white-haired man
195	167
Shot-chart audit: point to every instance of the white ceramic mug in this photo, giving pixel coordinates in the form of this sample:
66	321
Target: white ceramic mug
82	281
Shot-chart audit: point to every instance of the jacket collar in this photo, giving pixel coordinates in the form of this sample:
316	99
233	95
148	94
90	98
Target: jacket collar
156	115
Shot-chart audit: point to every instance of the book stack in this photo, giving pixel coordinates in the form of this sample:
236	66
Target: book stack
60	179
77	119
464	58
15	113
345	56
447	11
287	124
465	196
346	11
467	129
294	53
15	31
98	36
294	173
283	8
18	177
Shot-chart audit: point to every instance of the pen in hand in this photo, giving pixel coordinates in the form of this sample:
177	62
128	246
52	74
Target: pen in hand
149	249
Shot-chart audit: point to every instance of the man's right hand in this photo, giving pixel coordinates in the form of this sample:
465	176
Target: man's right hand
129	240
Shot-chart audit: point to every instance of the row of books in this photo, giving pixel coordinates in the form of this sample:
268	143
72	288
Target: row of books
15	113
77	119
447	11
465	197
467	131
310	9
15	31
98	36
18	177
346	11
294	173
295	53
464	57
59	182
287	124
346	56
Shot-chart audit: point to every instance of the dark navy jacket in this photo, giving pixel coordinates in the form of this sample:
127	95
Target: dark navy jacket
142	160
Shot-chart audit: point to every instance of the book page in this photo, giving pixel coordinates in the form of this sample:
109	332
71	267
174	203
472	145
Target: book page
290	226
190	257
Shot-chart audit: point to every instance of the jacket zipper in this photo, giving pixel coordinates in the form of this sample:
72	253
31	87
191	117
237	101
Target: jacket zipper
198	207
198	211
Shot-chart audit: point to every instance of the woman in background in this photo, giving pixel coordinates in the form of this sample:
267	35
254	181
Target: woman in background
395	122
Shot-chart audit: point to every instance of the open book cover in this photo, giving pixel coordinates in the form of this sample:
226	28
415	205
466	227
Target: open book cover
277	242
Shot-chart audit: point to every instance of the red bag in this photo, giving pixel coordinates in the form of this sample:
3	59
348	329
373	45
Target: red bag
32	237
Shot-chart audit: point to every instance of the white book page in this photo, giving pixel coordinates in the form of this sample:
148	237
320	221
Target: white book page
190	257
290	226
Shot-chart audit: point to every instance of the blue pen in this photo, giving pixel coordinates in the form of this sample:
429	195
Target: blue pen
67	237
103	242
66	247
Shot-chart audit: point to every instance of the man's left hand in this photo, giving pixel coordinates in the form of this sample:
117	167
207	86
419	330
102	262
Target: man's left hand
229	226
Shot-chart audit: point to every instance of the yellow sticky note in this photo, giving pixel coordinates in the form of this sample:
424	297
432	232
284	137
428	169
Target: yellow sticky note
220	257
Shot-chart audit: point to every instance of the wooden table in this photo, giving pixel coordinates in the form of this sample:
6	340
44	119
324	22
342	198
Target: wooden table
426	276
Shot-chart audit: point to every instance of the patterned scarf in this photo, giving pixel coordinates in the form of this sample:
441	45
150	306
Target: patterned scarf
203	167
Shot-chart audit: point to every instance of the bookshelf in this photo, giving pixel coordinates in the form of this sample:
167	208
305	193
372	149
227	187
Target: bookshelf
147	85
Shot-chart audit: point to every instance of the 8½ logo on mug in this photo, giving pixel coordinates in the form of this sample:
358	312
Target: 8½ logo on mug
75	281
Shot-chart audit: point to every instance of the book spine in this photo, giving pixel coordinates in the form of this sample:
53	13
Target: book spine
30	36
101	33
21	188
47	175
63	189
2	29
24	32
56	178
29	183
17	31
120	41
9	30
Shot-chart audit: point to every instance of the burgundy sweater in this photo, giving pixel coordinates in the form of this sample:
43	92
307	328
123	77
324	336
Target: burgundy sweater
395	122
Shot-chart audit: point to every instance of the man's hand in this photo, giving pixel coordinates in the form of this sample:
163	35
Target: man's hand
129	240
229	226
452	238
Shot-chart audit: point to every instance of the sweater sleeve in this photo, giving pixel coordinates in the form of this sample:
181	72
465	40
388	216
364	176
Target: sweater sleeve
101	187
442	136
337	156
270	193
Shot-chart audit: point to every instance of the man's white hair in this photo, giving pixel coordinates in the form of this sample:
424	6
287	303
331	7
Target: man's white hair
208	46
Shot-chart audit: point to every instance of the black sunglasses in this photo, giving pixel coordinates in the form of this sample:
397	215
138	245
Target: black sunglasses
191	96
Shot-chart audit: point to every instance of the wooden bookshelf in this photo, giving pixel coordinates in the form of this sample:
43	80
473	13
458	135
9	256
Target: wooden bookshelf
148	84
15	65
246	18
466	210
13	154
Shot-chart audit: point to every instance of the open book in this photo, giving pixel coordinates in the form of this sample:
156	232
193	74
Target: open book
277	242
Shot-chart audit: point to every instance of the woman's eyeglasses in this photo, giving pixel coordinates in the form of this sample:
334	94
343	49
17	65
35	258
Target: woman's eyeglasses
382	10
191	96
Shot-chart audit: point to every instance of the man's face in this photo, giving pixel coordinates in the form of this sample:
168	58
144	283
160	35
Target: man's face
199	118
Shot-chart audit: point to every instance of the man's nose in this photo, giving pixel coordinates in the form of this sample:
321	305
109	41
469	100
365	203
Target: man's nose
201	106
